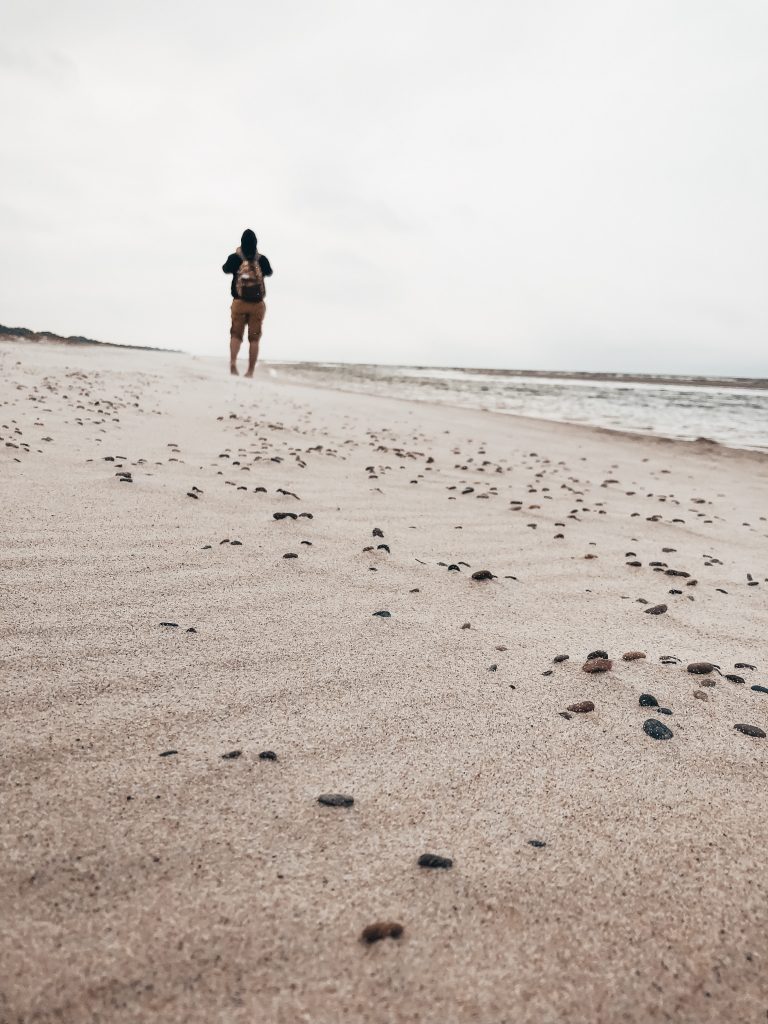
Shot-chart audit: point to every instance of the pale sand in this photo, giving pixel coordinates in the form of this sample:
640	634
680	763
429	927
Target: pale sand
221	891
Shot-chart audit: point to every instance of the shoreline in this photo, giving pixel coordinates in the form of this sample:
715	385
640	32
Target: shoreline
699	444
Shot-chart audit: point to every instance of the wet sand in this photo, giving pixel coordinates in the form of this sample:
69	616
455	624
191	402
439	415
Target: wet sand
597	874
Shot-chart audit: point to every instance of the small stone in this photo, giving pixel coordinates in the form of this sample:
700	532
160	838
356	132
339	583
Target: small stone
537	843
231	756
283	515
582	708
656	730
597	654
700	695
174	625
335	800
483	574
750	730
759	689
290	554
383	615
564	714
663	711
700	668
560	658
381	930
735	679
708	682
191	630
168	753
657	609
433	860
743	664
268	755
632	656
647	700
597	665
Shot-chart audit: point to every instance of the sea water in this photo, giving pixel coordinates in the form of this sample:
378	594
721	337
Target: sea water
730	414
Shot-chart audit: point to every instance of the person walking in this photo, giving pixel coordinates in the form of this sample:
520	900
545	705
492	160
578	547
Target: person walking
248	269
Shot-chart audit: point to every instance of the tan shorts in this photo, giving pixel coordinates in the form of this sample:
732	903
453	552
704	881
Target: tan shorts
251	313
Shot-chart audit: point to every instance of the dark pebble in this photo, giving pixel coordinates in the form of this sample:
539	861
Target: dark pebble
231	756
483	574
735	679
657	609
560	657
750	730
175	625
191	630
268	755
632	656
383	615
760	689
335	800
597	654
168	753
743	664
283	515
701	668
538	843
290	554
381	930
647	700
432	860
564	714
663	711
656	730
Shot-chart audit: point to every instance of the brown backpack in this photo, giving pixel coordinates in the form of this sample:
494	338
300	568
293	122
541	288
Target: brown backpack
250	281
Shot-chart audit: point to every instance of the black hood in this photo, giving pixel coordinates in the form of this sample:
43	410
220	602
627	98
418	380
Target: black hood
248	244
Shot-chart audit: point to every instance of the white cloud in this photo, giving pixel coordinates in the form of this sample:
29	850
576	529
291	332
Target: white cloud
512	184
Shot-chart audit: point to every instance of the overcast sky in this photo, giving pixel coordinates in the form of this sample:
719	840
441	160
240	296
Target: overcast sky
572	184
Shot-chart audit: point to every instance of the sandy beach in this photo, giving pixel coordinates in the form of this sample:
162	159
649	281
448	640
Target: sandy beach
157	640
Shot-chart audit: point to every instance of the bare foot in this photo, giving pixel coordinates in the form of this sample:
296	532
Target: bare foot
249	373
233	369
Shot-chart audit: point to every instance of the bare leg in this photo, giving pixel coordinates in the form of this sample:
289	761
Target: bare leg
234	348
255	320
253	355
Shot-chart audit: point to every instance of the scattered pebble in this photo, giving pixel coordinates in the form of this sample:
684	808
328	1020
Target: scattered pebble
647	700
381	930
700	695
632	656
759	689
335	800
483	574
168	753
560	658
750	730
231	756
701	668
268	755
597	654
433	860
538	843
174	625
383	615
597	665
657	609
582	707
656	730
